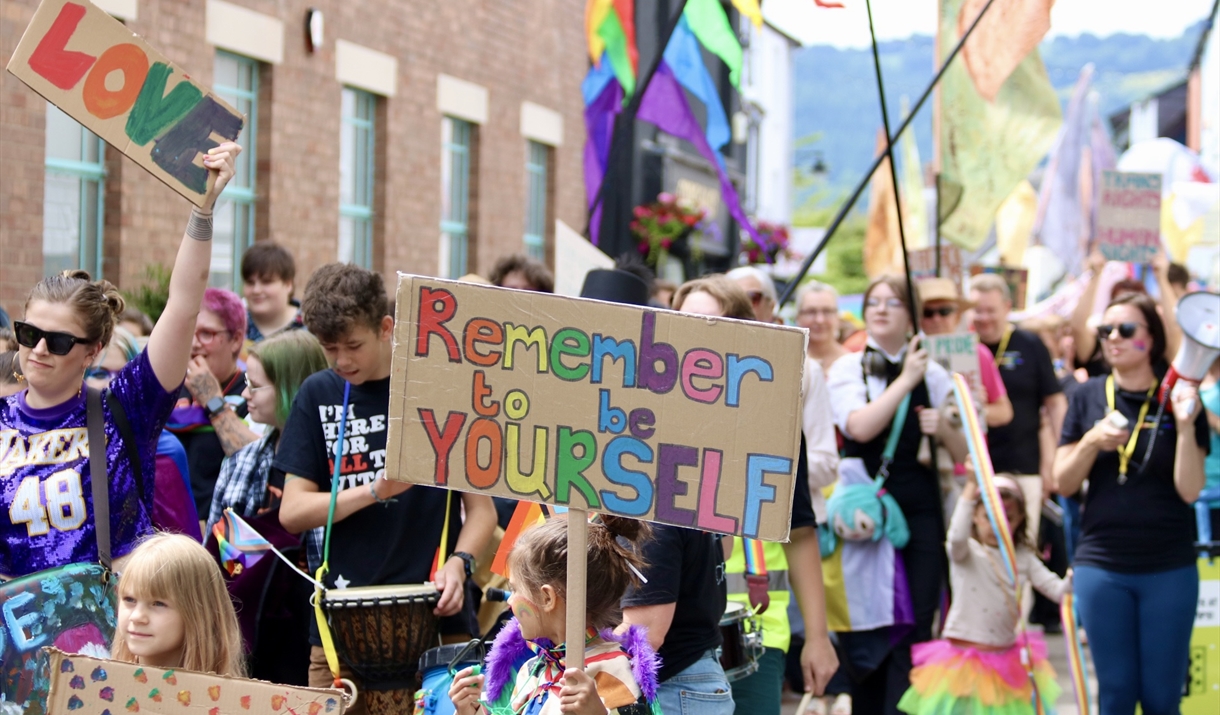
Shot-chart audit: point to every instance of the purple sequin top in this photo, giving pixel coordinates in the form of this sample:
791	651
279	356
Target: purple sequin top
45	487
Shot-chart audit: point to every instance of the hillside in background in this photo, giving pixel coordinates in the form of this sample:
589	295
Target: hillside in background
838	115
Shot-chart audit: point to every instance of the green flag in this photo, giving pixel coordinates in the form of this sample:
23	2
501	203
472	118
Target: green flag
987	148
711	25
611	32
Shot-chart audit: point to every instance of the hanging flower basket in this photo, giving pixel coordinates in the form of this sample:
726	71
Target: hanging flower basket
774	244
664	227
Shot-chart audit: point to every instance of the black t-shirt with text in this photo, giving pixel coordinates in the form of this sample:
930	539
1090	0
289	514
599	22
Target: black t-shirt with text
394	543
802	500
1142	526
203	451
1029	376
684	567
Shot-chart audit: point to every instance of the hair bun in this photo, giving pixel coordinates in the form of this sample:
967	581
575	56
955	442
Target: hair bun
630	529
79	274
113	298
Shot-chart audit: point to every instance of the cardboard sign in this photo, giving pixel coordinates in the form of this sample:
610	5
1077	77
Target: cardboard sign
957	352
923	263
1016	278
81	685
643	413
1202	695
111	81
68	608
1129	216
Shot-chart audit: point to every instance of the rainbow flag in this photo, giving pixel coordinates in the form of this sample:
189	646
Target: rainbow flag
240	545
756	563
985	474
526	515
1075	651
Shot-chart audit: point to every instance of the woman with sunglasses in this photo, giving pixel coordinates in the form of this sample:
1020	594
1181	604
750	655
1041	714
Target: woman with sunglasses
69	319
1136	581
892	385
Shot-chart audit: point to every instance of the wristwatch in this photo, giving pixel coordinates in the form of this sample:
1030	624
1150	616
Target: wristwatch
467	561
215	405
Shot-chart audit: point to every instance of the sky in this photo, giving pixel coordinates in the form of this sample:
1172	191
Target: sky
897	19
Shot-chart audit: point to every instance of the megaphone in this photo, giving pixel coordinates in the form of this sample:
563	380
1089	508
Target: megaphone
1198	315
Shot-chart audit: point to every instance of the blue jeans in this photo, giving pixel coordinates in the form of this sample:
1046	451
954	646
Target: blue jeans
1139	629
701	689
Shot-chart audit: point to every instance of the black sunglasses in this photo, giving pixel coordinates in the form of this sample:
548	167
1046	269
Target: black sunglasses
944	311
1125	330
57	343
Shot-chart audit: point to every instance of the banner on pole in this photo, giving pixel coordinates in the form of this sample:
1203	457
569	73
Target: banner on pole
121	89
1129	216
643	413
923	263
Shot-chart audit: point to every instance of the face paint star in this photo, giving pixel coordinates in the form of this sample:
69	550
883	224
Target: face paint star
341	582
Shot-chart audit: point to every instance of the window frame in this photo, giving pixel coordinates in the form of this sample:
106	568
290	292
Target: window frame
245	197
361	214
457	154
85	172
537	198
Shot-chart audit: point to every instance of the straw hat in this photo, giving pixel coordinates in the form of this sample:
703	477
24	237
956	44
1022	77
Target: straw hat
940	289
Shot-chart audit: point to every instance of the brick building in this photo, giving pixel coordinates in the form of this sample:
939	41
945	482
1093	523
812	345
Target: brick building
429	137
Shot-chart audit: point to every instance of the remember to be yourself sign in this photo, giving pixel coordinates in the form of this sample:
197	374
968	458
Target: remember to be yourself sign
111	81
650	414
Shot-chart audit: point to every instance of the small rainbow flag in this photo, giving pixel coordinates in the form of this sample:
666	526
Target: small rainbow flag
985	473
526	515
756	563
240	545
1075	651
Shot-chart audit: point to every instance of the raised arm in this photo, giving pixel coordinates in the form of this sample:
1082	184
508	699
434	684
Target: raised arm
1084	338
169	345
1168	304
963	518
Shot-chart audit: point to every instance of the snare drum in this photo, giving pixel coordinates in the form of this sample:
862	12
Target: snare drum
381	631
742	642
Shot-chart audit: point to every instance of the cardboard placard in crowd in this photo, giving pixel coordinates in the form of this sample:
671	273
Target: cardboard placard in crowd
923	263
575	256
93	685
643	413
121	89
1129	216
957	352
1016	278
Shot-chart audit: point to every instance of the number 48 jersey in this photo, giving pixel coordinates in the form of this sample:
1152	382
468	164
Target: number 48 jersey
45	477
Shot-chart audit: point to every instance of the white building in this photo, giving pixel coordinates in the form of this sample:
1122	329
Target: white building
765	121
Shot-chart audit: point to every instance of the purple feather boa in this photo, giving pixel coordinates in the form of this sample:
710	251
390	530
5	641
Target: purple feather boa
510	650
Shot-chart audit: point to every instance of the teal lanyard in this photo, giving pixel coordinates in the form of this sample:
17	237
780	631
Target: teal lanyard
334	480
891	443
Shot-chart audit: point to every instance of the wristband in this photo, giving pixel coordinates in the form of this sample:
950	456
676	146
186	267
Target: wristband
199	227
376	498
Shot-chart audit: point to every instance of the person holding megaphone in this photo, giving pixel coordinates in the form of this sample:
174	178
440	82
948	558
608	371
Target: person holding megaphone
1135	577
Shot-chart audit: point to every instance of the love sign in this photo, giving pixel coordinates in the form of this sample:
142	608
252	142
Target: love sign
111	81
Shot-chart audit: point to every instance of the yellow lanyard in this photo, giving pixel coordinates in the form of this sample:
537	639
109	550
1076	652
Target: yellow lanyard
1003	348
1124	453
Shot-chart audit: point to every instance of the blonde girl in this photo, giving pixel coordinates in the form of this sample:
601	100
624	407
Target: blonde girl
174	611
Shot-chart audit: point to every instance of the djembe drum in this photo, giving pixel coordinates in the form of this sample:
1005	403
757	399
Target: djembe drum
380	632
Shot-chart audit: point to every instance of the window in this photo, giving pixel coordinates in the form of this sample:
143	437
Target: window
356	177
536	200
236	82
455	195
73	198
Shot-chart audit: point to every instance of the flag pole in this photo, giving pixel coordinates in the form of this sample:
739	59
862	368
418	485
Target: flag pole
855	195
889	152
627	116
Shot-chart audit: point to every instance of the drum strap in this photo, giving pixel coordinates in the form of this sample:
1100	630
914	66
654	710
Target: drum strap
328	641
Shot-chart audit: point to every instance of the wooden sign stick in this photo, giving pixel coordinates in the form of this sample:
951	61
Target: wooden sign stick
578	556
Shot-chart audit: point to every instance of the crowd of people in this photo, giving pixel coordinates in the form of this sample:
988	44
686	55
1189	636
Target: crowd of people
259	403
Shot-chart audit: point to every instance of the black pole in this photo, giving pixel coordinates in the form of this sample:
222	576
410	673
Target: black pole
889	152
627	116
855	195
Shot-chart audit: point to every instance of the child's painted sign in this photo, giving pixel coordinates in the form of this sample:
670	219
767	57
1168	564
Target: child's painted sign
111	81
69	608
643	413
93	686
1129	216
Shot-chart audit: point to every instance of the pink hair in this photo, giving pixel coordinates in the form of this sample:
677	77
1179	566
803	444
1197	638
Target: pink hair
228	307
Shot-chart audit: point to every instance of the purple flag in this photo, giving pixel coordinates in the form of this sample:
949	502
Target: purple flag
599	128
1060	224
665	105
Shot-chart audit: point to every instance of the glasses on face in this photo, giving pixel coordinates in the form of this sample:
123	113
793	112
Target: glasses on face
205	336
29	336
891	303
944	311
818	312
253	388
1125	330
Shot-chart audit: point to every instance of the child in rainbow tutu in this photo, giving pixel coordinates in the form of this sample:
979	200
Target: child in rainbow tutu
980	666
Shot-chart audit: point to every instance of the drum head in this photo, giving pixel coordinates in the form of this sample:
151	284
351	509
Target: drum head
406	592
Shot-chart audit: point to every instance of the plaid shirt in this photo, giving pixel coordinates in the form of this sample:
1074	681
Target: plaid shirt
242	486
